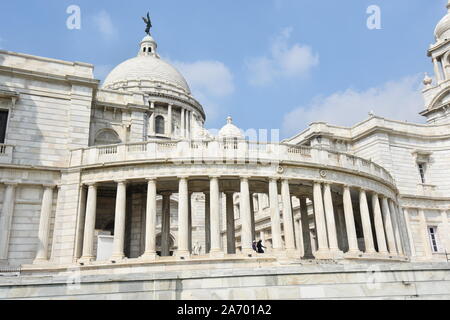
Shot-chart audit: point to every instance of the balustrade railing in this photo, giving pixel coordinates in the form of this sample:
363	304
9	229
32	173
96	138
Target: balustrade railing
234	151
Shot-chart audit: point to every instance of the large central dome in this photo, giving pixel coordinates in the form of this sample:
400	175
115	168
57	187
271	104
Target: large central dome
148	70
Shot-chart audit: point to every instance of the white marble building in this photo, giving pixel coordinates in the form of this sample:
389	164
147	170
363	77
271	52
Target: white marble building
124	175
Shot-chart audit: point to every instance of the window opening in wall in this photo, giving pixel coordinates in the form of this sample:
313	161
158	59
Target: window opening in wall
422	170
432	231
3	124
159	125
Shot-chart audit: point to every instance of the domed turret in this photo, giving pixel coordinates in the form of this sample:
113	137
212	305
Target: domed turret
230	131
146	71
442	31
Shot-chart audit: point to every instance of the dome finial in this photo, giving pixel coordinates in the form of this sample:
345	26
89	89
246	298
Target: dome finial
230	119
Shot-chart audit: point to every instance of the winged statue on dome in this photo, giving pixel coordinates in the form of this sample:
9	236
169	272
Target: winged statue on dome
148	21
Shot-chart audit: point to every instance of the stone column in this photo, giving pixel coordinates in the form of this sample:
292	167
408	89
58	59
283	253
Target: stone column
6	220
190	222
277	243
331	223
389	227
231	233
169	120
424	234
252	215
183	123
246	220
89	224
80	223
366	224
323	251
165	225
352	237
408	229
44	224
207	223
306	236
437	71
379	227
150	221
350	223
188	124
216	248
288	223
183	218
396	225
119	222
445	235
298	236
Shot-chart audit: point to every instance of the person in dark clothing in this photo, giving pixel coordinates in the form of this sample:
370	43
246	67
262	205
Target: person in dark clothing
260	247
254	246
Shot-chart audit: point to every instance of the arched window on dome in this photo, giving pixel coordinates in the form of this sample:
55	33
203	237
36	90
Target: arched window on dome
106	137
160	125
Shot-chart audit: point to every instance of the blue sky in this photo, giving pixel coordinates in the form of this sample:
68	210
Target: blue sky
268	63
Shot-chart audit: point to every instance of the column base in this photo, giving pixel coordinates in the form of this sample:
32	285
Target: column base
216	254
41	261
183	255
328	254
86	260
353	254
149	256
117	258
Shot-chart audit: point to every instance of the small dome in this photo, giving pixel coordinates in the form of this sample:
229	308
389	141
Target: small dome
230	131
147	66
442	31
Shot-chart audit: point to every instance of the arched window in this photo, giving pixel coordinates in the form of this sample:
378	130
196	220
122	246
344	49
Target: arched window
106	137
159	125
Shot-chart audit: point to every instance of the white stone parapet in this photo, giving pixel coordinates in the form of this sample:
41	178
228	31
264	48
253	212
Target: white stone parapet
184	151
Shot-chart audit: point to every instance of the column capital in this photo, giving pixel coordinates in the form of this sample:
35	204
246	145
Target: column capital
50	186
183	177
121	181
11	183
274	178
151	179
244	178
214	177
91	184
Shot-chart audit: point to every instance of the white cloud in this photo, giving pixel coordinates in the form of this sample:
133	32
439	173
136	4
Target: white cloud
397	100
283	61
104	24
210	82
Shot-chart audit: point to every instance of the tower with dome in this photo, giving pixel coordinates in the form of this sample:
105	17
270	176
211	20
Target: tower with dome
120	188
